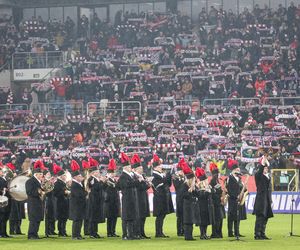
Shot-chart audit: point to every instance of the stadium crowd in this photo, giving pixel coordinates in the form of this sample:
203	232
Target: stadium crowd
156	60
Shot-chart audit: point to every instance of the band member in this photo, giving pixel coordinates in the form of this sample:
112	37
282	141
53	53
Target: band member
4	211
205	202
35	202
178	182
127	184
112	200
95	199
219	210
61	193
162	200
263	200
142	197
86	173
190	209
77	201
17	212
48	203
236	212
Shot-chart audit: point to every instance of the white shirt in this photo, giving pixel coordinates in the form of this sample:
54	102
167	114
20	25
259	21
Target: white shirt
78	182
37	180
129	173
158	173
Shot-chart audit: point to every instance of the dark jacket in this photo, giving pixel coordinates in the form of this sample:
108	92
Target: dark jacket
206	208
127	185
96	200
263	199
77	208
142	198
162	199
234	189
179	184
112	200
190	207
216	194
62	200
5	211
34	202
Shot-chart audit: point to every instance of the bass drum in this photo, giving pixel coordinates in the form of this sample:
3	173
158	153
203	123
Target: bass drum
17	188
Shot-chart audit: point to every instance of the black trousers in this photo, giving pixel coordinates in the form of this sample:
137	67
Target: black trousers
260	225
217	228
111	225
86	227
137	227
61	225
203	230
233	223
3	223
49	226
33	228
76	228
15	226
159	223
188	231
127	228
93	227
142	226
180	229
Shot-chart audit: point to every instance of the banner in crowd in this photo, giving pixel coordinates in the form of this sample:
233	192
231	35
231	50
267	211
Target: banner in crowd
282	202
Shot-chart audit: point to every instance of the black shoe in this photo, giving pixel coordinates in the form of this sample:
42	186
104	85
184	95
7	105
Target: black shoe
258	238
34	238
230	235
53	233
213	236
115	235
20	233
145	237
241	236
6	236
127	238
165	236
264	237
77	238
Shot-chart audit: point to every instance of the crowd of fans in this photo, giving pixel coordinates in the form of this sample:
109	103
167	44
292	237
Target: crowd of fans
153	61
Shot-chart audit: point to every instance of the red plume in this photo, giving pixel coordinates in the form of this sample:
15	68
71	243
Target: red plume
112	165
74	166
11	166
135	159
156	158
200	172
124	158
56	168
39	164
181	162
85	164
93	162
231	163
213	166
186	169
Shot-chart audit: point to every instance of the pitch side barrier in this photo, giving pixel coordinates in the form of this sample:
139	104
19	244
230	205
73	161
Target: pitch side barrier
280	101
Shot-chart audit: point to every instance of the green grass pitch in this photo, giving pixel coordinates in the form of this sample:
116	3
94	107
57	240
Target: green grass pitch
278	229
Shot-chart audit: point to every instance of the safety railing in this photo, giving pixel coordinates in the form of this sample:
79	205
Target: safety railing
232	101
30	60
282	101
58	109
6	108
104	107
